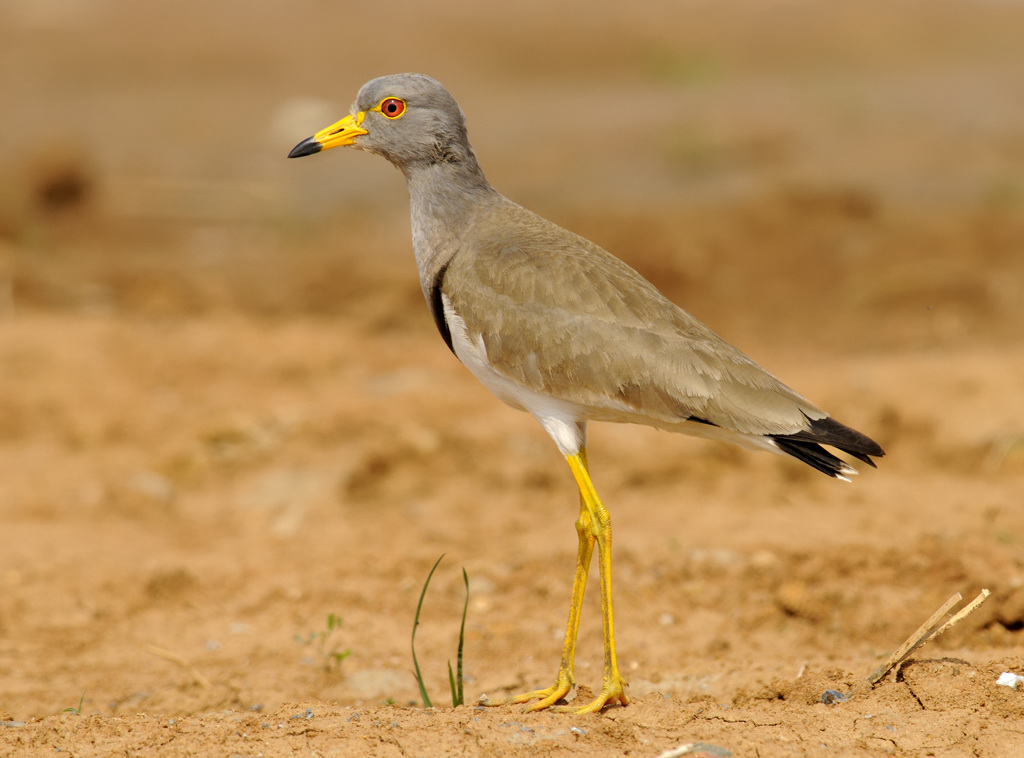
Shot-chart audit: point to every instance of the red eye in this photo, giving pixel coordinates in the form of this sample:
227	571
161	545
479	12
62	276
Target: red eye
392	107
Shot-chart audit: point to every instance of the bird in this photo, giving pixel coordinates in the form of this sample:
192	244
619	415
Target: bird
556	326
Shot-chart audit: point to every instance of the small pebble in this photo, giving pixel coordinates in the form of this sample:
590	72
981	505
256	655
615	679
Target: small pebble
1009	679
831	697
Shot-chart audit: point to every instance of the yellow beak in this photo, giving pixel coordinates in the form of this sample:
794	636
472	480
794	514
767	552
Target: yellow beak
342	133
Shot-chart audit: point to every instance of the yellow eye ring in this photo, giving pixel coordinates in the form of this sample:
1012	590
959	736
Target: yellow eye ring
391	107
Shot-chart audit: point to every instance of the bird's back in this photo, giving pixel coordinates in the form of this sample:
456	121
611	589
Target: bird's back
562	317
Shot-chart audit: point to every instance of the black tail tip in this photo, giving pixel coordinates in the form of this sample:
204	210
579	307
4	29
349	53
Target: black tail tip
806	445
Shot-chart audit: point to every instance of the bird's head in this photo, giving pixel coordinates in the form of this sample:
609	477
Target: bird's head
410	119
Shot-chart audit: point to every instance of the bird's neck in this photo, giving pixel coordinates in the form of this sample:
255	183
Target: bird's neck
444	199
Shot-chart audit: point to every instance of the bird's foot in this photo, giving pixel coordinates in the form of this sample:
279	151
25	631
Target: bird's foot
545	698
613	691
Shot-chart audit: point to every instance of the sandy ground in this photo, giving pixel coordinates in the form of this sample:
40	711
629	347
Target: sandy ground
225	414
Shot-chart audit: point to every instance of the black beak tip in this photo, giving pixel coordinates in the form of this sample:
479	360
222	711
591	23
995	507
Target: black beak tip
306	147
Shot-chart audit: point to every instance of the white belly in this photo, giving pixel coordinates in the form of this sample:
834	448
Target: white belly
564	421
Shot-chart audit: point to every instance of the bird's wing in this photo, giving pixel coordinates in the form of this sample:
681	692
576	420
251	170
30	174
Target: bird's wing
563	317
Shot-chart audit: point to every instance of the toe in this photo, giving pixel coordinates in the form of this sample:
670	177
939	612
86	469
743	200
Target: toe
611	693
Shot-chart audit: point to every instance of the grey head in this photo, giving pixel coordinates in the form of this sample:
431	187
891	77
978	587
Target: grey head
410	119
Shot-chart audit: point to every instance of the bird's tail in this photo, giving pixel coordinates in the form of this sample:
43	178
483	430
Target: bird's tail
807	447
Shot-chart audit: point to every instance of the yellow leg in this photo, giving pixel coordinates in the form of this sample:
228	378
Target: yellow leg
565	680
593	525
613	685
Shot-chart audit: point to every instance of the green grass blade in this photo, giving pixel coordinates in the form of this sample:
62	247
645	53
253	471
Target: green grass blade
462	638
78	711
451	683
416	623
455	680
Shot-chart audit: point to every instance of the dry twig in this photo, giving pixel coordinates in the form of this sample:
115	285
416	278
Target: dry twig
929	630
167	655
694	747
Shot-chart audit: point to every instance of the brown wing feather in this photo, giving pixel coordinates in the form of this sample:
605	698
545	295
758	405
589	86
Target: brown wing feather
564	317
